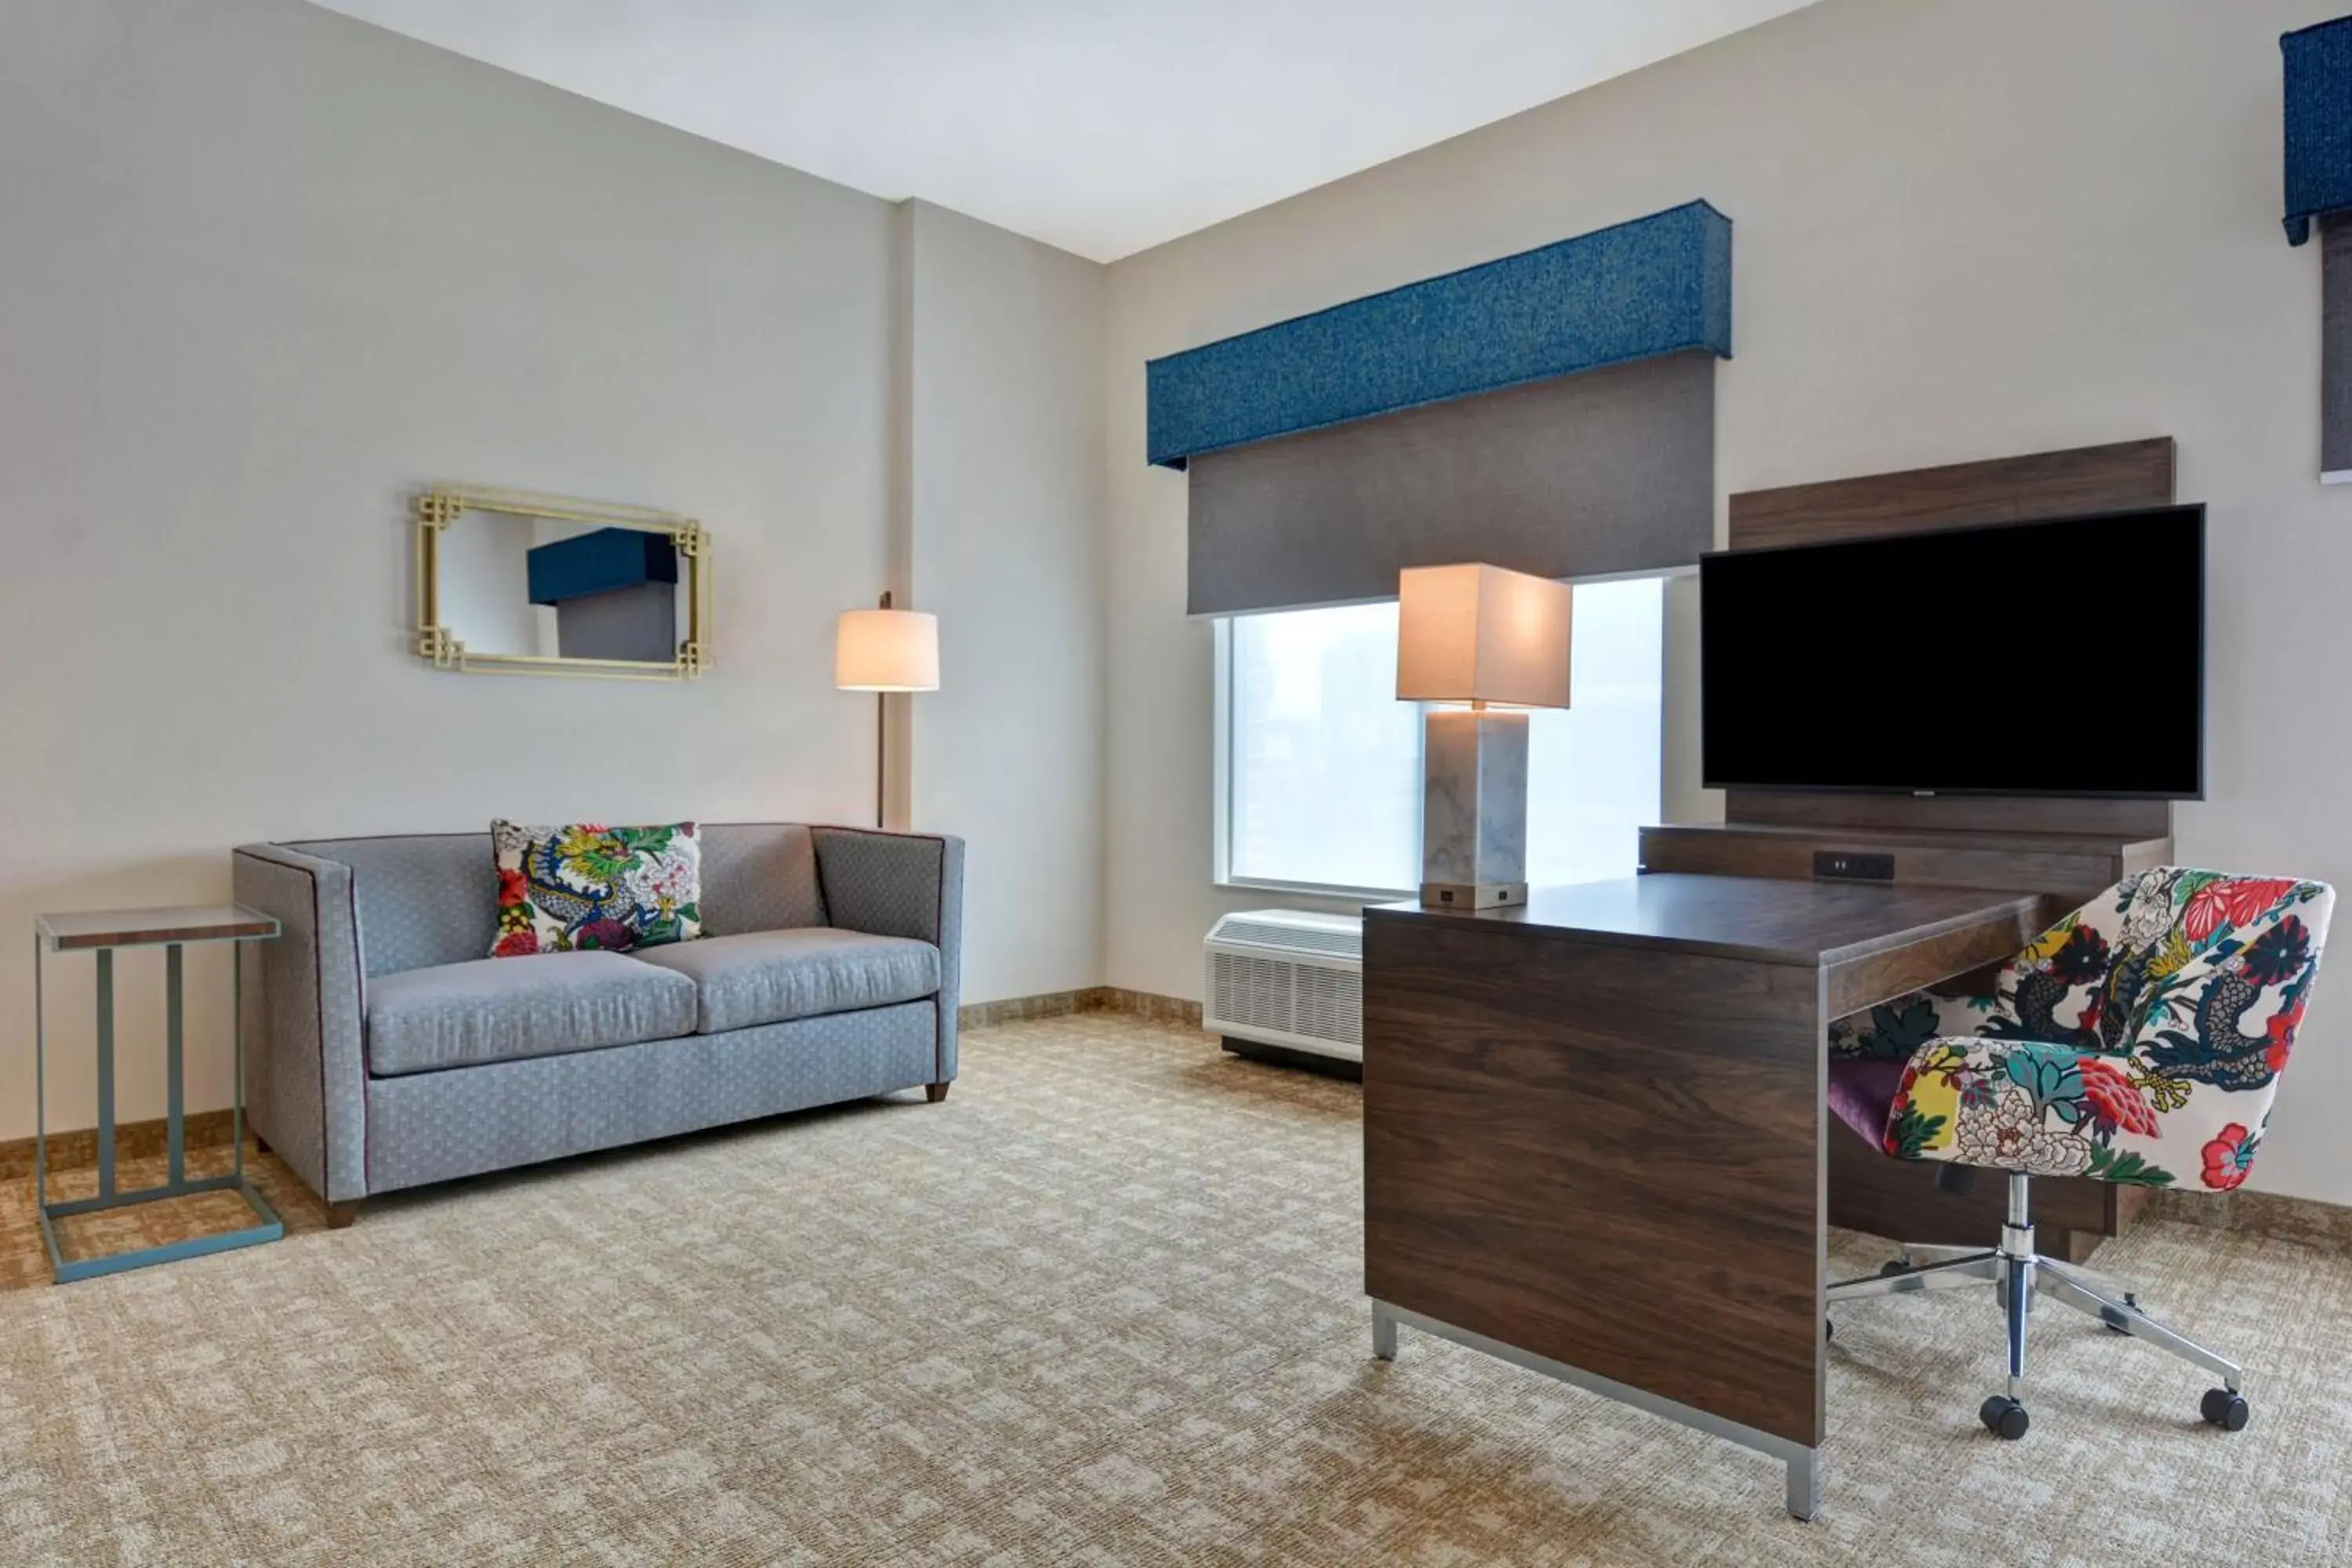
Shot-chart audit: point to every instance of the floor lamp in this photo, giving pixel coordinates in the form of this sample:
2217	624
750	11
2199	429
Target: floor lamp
882	651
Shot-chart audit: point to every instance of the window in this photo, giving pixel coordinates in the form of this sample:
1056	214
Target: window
1324	762
1320	765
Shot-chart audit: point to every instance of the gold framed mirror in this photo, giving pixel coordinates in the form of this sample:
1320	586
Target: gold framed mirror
512	583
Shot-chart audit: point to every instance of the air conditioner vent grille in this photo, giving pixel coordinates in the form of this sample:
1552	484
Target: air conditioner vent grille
1337	942
1288	977
1253	991
1329	1003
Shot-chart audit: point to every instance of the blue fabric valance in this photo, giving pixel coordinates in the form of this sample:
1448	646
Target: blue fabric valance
1658	285
2318	124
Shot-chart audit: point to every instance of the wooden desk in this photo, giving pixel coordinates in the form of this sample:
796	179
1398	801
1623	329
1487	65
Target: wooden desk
1594	1127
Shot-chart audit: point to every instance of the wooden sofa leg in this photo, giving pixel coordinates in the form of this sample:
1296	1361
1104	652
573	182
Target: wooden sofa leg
340	1216
935	1092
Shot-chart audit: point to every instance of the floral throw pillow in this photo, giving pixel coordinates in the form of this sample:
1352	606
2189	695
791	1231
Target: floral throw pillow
591	886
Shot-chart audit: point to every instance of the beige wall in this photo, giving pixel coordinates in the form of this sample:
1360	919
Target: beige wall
263	272
1965	227
1004	507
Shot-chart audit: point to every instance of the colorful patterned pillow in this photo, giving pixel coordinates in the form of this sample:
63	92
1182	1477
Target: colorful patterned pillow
589	886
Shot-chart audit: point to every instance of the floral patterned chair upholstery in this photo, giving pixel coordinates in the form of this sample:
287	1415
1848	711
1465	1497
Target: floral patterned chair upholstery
2139	1040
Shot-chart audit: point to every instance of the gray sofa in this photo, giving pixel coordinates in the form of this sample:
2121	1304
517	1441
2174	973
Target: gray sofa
385	1049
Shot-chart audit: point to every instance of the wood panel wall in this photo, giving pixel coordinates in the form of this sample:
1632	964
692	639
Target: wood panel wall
1867	1190
2079	480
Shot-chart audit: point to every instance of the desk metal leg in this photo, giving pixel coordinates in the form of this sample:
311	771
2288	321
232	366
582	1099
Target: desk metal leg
106	1072
1804	1482
1804	1497
175	1097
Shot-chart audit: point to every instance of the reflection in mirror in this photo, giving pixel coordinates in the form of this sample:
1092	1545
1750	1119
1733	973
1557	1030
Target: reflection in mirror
560	590
511	581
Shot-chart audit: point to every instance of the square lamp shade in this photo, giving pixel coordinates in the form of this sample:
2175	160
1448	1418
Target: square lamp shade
1499	641
887	650
1481	634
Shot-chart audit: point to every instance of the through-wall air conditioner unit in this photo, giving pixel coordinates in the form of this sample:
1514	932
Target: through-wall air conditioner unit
1288	978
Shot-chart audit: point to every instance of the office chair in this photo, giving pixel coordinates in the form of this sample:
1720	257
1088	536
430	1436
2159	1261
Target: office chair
2140	1039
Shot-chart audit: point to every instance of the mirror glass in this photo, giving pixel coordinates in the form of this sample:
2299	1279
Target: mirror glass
515	582
560	590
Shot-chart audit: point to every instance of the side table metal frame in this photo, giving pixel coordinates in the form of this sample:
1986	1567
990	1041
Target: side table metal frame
177	1183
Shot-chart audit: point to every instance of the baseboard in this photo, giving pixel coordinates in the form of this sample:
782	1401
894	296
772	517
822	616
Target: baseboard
1093	999
1151	1007
78	1150
1021	1009
210	1129
2307	1220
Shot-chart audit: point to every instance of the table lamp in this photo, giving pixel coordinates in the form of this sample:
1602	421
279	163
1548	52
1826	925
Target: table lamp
1497	641
882	651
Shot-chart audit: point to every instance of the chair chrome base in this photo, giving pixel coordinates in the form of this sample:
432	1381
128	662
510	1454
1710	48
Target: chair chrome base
2020	1275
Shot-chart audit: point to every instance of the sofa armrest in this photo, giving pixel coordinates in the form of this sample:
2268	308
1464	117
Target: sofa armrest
901	884
305	1065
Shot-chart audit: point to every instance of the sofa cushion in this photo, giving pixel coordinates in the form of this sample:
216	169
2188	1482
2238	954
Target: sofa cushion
769	976
496	1009
759	876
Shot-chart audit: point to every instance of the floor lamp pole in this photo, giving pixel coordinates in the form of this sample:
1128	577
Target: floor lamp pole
881	744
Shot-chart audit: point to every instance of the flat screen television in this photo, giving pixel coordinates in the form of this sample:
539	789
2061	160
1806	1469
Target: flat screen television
2062	657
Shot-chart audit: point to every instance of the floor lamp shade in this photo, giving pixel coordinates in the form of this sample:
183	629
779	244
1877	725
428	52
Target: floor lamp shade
887	650
1478	635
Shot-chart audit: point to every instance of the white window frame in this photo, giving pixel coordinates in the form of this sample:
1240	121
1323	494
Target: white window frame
1220	789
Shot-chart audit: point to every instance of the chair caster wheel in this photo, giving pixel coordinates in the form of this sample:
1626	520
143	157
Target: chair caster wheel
1898	1265
2003	1417
2224	1409
1829	1329
2115	1321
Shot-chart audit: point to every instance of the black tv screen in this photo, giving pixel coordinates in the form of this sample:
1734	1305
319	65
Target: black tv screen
2065	657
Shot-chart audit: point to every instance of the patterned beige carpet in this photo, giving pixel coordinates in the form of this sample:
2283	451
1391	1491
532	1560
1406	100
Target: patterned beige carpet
1101	1307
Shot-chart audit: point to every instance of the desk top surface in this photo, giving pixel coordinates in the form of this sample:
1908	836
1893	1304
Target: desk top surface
86	930
1772	920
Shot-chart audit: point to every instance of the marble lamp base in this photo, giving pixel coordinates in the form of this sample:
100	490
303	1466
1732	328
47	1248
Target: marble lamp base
1474	808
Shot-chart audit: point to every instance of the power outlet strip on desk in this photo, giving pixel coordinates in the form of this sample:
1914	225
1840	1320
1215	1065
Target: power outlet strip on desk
1854	865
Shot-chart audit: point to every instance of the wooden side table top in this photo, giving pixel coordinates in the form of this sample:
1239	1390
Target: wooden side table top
88	931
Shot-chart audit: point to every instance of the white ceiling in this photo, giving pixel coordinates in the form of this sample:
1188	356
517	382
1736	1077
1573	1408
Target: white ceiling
1101	126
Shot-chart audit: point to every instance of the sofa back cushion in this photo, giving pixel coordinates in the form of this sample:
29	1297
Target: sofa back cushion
433	898
422	898
759	876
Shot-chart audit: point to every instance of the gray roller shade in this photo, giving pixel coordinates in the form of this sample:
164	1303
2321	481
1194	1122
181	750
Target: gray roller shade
1613	470
2336	352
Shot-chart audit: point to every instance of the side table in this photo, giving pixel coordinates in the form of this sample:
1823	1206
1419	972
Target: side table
102	932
